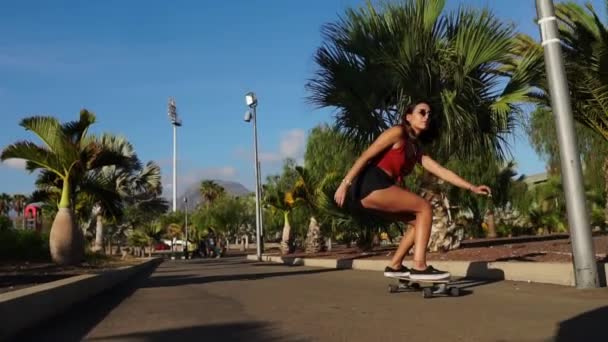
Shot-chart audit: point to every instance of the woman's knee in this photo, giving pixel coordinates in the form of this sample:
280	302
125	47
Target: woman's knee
425	208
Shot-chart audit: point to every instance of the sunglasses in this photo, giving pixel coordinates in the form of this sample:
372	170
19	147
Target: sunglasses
424	113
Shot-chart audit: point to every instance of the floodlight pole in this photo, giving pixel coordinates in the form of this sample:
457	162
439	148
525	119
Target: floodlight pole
583	254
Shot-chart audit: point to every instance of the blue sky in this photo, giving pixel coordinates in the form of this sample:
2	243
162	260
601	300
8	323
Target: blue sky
123	59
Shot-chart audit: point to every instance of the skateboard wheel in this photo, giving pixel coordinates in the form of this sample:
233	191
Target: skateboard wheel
392	288
427	292
454	291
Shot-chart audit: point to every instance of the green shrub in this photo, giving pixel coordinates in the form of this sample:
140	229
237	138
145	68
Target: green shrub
24	245
5	223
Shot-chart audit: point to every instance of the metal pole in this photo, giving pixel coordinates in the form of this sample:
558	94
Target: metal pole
584	263
258	235
186	225
261	209
174	167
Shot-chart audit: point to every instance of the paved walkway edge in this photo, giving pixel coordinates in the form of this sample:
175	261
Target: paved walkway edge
548	273
26	307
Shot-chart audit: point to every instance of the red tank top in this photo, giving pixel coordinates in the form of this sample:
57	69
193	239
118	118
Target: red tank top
393	160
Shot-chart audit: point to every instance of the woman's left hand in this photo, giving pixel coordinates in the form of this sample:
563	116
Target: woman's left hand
482	190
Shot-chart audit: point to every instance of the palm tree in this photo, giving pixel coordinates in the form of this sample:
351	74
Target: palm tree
584	40
174	231
374	62
304	194
282	203
19	201
327	151
5	204
67	153
210	191
99	193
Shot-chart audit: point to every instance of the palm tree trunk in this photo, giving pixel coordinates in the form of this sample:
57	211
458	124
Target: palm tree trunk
491	223
445	234
314	239
65	240
285	248
605	169
98	245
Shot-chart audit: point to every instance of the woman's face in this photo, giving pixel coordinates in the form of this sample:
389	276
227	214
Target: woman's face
419	118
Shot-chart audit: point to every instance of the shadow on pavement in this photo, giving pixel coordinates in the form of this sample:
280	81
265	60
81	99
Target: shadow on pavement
238	331
75	324
524	257
480	270
189	279
588	326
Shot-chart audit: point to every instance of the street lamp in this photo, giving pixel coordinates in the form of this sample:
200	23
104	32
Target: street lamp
186	224
176	122
252	102
583	255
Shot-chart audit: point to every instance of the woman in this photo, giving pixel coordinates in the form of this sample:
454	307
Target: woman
370	187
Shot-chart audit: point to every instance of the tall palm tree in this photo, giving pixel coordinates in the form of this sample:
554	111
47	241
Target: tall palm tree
210	191
376	61
5	203
584	40
67	153
18	203
131	182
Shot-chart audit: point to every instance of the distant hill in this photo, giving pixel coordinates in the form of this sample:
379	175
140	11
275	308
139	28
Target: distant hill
194	196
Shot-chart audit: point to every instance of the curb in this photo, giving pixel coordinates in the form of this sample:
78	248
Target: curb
547	273
23	308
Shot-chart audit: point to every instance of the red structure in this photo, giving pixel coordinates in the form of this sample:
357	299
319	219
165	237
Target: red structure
33	216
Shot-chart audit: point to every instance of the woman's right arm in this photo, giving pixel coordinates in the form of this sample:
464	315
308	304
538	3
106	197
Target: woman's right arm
386	139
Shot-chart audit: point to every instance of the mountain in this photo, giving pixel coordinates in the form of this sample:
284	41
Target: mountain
194	196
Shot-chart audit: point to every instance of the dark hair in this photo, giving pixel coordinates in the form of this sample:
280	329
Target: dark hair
413	146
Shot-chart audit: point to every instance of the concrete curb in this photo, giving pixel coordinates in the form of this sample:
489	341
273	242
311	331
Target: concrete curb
548	273
25	307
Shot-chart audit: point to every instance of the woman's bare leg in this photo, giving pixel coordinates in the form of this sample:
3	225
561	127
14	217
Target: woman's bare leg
406	243
395	200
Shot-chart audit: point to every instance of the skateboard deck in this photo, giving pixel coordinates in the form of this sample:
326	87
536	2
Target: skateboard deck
429	288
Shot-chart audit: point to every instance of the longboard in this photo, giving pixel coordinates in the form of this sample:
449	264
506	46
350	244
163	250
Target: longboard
429	288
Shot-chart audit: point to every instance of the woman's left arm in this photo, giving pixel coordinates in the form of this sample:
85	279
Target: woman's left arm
447	175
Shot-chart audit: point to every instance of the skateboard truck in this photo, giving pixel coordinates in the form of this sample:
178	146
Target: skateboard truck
430	288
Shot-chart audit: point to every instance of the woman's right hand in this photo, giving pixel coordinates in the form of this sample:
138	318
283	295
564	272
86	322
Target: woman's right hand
340	194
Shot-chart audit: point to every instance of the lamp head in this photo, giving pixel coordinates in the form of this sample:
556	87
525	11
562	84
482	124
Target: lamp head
248	116
250	99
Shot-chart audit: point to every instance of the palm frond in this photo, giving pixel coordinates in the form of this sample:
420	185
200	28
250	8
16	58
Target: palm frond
76	131
49	131
36	157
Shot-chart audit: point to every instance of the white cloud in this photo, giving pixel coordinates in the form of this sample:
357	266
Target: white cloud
187	178
15	163
291	145
269	157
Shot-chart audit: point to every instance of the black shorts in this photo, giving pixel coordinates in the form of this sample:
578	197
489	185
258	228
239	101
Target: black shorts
369	179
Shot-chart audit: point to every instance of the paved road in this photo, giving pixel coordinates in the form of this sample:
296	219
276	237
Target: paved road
235	300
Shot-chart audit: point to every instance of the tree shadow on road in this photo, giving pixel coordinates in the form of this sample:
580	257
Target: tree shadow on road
588	326
80	318
237	331
178	280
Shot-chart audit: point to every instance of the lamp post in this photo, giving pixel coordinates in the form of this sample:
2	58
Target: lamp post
175	122
583	255
252	102
186	224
